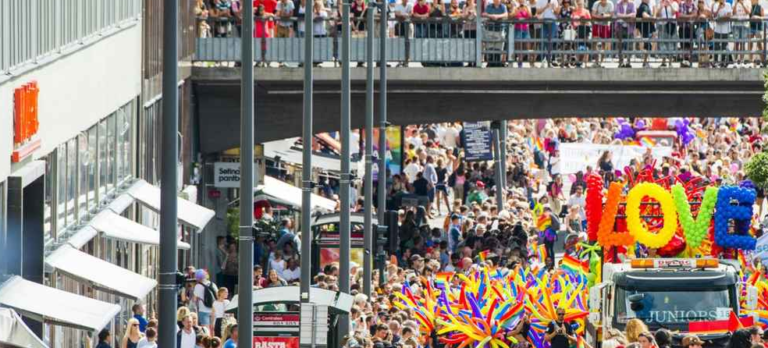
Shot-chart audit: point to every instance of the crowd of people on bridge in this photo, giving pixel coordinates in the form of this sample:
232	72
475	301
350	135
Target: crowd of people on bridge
709	33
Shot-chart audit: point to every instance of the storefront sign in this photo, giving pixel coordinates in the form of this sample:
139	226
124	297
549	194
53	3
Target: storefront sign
226	175
477	141
275	342
25	121
276	319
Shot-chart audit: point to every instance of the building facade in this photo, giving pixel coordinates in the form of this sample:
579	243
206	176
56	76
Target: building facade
80	162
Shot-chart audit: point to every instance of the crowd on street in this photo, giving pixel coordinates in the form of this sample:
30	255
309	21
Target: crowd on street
460	228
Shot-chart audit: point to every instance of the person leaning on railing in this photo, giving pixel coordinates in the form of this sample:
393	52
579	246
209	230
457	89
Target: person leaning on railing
522	13
721	13
420	13
201	13
494	32
624	28
403	11
284	11
756	17
741	12
686	16
602	10
583	29
667	25
704	33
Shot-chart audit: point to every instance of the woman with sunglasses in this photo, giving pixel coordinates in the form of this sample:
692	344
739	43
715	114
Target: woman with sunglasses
132	334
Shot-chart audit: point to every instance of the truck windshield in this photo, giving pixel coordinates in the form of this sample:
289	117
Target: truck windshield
670	306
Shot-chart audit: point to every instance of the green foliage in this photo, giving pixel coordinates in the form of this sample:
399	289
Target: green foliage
233	222
757	170
765	98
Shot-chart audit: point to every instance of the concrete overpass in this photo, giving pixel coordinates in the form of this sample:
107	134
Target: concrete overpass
428	95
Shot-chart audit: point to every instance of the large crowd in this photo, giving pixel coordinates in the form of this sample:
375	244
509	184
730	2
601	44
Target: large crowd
459	228
709	33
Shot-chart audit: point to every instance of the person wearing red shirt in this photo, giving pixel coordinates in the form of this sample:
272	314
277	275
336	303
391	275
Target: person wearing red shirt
269	9
420	12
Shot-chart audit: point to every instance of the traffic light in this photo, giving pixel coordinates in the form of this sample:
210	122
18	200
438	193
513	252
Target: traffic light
380	240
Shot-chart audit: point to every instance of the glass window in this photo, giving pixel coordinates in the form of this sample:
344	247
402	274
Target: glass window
2	211
84	162
61	186
103	159
127	135
111	156
92	162
50	179
71	180
120	120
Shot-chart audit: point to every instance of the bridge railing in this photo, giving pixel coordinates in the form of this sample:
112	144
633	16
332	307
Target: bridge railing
450	41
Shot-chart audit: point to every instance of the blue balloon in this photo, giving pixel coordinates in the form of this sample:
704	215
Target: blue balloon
734	203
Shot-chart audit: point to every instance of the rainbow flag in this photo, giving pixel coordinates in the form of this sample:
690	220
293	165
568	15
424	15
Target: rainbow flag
541	253
483	254
573	265
647	142
544	221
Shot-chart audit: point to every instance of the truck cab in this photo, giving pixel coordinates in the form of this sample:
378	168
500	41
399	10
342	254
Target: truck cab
666	293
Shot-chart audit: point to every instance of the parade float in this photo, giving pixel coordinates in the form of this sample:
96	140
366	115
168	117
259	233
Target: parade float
675	253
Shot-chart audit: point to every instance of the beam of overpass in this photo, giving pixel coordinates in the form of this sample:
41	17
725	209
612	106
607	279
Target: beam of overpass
430	95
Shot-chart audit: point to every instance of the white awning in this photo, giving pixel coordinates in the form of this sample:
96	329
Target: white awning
189	213
14	333
55	306
99	273
280	192
82	236
117	227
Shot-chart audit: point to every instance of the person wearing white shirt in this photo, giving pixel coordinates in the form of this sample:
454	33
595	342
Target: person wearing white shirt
186	336
149	340
450	137
667	12
411	169
219	308
545	9
403	11
291	273
204	312
721	11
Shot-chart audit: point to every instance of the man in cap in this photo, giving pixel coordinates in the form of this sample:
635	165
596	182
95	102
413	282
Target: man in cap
478	194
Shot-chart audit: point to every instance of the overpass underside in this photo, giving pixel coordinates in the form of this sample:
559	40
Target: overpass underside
429	95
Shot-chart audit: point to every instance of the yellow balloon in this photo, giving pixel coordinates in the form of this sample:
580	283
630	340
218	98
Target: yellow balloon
636	225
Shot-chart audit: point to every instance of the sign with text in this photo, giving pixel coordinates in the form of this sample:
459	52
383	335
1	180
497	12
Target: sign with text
478	141
275	342
25	121
276	319
226	175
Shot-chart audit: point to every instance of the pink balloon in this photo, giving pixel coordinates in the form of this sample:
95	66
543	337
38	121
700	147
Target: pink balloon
734	168
572	177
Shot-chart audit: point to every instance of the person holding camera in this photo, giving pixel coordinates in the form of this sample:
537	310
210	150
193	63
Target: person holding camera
559	332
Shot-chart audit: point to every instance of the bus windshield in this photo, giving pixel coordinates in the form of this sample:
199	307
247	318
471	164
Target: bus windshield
672	307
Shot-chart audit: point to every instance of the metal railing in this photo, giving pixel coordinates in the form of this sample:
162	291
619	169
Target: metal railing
452	41
33	29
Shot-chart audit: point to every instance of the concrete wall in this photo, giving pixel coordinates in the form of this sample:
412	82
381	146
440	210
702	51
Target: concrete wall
76	91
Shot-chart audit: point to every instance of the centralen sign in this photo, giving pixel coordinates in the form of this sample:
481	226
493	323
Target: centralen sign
226	175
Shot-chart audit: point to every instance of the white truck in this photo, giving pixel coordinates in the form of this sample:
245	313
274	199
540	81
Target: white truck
666	293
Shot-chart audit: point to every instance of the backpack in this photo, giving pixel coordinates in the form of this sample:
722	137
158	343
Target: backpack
210	294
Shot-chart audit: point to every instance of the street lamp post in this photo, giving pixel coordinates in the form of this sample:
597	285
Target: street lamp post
344	245
245	272
168	194
368	184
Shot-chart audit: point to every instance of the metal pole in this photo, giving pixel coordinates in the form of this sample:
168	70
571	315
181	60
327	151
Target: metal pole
382	176
168	193
306	165
499	180
345	134
503	154
368	185
479	34
245	272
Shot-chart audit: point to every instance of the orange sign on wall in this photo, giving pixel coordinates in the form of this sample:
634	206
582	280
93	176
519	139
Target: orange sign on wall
25	121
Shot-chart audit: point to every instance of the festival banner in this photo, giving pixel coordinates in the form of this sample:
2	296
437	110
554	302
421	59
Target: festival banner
576	157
